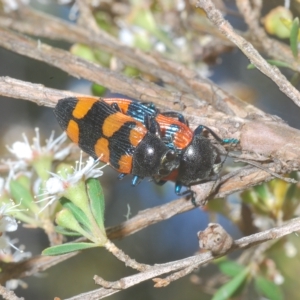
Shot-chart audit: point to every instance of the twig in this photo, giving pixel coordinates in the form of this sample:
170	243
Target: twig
112	248
193	261
31	266
86	18
251	13
8	295
271	71
163	282
37	93
181	78
258	165
257	35
144	91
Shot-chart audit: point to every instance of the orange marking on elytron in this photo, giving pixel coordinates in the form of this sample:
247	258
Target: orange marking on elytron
136	136
101	149
122	103
112	124
73	131
182	137
125	164
83	105
115	121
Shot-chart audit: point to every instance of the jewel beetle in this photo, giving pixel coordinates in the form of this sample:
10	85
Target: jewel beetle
199	158
116	138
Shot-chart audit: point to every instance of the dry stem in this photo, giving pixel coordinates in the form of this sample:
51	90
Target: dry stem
271	71
189	262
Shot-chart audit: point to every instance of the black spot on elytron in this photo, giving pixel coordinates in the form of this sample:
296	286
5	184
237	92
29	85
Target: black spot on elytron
63	111
119	143
90	126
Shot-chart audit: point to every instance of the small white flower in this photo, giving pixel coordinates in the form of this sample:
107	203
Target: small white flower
21	150
15	283
278	279
7	222
126	36
10	5
56	185
25	151
290	249
88	171
180	5
6	244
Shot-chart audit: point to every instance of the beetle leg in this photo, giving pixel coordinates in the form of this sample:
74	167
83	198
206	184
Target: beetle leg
199	131
121	176
152	125
187	192
136	180
175	115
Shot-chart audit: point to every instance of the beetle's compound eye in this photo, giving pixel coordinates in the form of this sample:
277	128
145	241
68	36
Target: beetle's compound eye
171	155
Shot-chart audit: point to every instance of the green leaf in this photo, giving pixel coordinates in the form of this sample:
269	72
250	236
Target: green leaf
251	67
65	231
294	37
228	289
131	71
67	248
262	191
97	203
22	195
272	62
230	268
84	52
78	214
268	288
278	63
98	90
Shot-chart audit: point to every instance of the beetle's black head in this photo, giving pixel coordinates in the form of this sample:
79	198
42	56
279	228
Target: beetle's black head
200	160
153	158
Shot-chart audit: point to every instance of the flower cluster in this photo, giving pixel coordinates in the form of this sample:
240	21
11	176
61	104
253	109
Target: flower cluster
41	189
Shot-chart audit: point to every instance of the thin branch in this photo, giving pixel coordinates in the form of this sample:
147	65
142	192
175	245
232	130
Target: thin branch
120	255
30	266
259	166
86	18
37	93
163	282
193	261
271	47
181	78
8	294
251	13
78	67
271	71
